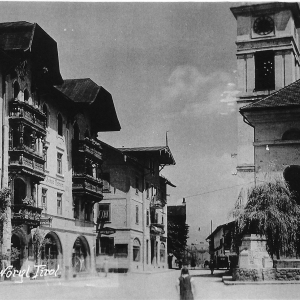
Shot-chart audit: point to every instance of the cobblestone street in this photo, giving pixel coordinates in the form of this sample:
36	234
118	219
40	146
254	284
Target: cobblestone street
144	286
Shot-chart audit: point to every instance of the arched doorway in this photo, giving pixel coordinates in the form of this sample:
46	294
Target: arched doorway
16	252
292	176
19	191
52	253
80	255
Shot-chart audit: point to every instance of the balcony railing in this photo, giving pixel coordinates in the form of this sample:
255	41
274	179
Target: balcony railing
23	110
26	214
26	162
86	184
157	230
89	147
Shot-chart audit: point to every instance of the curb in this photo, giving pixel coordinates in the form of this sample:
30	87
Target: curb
227	280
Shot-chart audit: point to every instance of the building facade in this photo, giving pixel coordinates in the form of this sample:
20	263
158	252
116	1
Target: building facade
267	61
132	233
50	158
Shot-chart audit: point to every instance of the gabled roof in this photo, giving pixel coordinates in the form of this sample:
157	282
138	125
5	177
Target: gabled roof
16	37
166	181
87	93
288	96
163	153
80	90
229	224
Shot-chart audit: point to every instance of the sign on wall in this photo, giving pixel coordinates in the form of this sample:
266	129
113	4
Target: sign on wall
104	213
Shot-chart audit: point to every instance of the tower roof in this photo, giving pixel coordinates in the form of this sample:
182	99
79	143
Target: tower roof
246	8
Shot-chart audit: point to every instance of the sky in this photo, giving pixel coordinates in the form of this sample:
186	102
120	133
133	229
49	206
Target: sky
170	67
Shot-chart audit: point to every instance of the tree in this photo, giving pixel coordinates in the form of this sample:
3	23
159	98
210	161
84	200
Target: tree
39	242
271	211
177	236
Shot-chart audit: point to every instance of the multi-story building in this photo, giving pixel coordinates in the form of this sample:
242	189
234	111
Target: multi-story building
50	158
132	216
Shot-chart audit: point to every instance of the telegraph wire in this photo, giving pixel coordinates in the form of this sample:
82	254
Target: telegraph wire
229	187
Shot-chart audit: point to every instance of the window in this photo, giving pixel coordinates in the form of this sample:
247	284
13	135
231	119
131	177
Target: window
147	251
87	134
76	132
59	163
121	250
45	111
156	218
104	213
292	134
75	209
16	88
147	218
87	211
136	185
45	157
264	71
162	252
136	250
44	199
26	95
162	219
59	203
107	245
59	125
147	190
151	166
137	215
106	182
291	175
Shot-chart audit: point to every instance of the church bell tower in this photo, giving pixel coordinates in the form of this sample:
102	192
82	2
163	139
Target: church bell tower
267	60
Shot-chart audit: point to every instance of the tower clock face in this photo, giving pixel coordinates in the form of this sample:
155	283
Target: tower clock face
263	25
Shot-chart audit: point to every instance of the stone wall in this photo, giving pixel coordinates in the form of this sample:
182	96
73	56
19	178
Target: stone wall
266	274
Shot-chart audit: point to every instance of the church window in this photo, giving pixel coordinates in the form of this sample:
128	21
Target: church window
26	95
16	89
264	71
292	134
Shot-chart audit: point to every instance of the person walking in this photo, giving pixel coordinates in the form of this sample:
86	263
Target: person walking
185	285
212	266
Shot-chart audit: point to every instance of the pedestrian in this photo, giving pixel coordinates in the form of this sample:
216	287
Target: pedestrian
105	266
212	266
185	285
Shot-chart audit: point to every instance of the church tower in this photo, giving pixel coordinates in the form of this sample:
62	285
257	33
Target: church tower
267	60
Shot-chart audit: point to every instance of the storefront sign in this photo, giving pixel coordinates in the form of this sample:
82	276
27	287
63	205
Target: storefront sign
46	222
106	231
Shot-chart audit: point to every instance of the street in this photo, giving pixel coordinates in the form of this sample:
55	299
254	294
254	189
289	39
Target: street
144	286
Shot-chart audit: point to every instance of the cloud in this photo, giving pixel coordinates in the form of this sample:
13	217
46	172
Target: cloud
190	93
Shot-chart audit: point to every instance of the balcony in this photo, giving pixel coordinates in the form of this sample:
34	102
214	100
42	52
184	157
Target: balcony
26	214
29	115
85	184
27	161
88	147
157	229
157	202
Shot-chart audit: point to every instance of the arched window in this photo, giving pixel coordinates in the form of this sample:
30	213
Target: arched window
136	250
19	191
87	134
291	134
76	132
162	252
26	95
59	125
16	87
292	176
45	111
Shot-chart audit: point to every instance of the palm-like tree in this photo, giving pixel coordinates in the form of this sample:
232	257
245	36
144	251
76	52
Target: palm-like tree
270	211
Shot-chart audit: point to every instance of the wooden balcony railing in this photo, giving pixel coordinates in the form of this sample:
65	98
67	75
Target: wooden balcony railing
86	184
27	162
89	147
23	110
26	214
